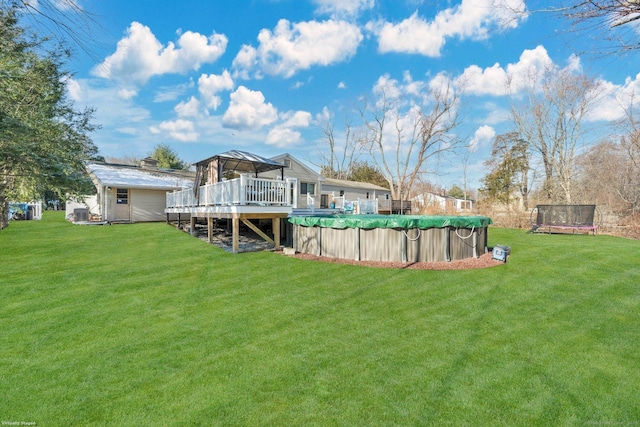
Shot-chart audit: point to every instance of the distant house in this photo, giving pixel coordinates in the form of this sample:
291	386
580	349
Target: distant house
353	190
442	203
126	193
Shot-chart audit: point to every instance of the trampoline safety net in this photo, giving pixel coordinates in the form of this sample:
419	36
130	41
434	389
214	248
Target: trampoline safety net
566	215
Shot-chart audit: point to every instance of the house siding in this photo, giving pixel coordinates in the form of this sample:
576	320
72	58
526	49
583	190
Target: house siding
303	175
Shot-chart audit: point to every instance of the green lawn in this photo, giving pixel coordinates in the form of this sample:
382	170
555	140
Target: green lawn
144	325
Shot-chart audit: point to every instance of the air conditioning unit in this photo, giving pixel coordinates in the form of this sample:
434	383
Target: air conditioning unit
80	215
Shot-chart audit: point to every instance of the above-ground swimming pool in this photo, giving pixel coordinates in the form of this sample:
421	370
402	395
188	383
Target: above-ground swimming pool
394	238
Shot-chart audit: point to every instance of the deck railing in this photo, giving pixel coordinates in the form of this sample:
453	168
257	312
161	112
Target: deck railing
240	191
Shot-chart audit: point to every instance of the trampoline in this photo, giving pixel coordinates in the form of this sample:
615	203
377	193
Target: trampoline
565	218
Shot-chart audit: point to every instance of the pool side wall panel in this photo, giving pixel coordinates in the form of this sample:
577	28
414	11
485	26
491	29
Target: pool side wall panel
387	244
380	244
426	245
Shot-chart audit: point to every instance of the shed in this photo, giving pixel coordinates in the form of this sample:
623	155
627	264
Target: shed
128	193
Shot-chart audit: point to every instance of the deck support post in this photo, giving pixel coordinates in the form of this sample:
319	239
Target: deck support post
235	235
210	229
192	226
275	226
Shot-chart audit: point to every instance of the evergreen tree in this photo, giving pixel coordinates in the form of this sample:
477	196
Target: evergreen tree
44	141
167	158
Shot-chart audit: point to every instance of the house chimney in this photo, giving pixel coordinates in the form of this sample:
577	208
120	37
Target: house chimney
149	163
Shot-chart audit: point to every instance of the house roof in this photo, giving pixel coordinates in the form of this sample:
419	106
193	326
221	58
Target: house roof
242	161
354	184
434	196
114	175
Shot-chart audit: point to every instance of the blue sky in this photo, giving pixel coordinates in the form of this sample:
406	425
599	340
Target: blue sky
259	75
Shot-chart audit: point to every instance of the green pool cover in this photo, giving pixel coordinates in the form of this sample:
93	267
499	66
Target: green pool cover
391	221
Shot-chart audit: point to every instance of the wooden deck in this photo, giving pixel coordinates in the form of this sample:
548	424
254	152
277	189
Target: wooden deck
239	200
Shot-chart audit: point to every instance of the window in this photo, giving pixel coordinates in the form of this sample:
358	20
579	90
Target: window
367	194
341	193
122	196
307	188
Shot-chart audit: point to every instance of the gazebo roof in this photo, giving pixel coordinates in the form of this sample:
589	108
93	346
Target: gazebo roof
242	161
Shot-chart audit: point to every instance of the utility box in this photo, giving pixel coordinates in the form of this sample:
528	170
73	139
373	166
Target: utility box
80	215
501	253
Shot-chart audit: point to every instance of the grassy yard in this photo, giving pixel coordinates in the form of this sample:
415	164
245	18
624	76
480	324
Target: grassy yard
144	325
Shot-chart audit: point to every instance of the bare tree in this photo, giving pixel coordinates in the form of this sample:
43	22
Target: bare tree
401	142
550	116
337	162
630	143
607	24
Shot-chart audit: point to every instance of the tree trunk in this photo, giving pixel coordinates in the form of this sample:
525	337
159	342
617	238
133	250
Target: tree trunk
4	212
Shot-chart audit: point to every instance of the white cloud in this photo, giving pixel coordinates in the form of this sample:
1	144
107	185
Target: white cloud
493	80
471	19
139	55
342	8
412	87
413	35
210	85
179	130
296	119
324	116
490	81
247	109
294	47
127	93
112	110
171	93
191	108
342	85
484	134
615	99
245	61
386	87
496	114
285	135
74	89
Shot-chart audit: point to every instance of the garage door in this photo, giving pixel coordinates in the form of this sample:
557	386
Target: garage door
147	205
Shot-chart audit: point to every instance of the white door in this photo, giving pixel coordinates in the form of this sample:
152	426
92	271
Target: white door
121	210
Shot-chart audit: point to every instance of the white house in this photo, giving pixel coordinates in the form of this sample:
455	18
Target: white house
127	193
442	203
353	190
